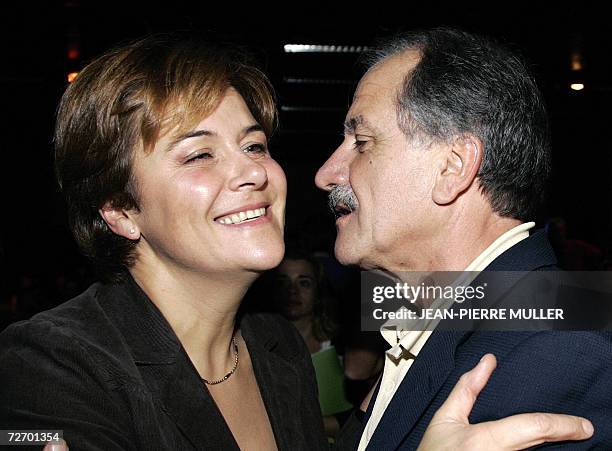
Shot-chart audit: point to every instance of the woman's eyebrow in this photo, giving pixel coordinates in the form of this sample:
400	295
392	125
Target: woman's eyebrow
251	129
203	132
188	135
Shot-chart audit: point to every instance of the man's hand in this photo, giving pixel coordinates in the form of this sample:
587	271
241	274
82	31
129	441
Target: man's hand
450	430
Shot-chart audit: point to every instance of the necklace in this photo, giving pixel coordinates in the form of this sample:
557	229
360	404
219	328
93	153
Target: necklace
227	376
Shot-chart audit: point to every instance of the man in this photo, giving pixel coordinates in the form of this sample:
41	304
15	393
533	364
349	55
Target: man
444	162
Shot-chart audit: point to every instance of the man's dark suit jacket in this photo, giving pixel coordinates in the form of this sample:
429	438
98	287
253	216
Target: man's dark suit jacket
561	372
107	369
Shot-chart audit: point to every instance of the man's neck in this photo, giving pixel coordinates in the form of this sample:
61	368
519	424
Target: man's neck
455	246
480	239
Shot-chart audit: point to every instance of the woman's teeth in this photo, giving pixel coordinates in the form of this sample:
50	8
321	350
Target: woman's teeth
243	216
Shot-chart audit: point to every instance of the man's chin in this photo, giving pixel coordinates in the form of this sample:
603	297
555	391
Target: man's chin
346	254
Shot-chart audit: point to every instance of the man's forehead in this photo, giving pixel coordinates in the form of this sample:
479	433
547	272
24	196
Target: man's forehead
390	73
371	108
376	95
372	96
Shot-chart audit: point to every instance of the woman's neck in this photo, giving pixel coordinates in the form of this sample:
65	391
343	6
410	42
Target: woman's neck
201	309
304	326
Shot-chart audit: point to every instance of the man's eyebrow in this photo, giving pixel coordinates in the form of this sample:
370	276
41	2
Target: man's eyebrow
203	132
351	124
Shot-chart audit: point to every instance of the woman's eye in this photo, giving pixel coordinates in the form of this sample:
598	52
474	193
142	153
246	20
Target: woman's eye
199	156
256	149
305	284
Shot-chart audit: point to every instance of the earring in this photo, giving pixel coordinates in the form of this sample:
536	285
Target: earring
132	231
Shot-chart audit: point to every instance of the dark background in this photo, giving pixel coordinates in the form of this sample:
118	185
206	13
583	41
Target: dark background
42	43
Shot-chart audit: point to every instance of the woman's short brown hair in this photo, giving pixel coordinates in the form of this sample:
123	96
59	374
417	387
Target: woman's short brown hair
122	101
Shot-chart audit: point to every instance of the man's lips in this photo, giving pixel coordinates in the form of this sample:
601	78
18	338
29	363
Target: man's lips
340	211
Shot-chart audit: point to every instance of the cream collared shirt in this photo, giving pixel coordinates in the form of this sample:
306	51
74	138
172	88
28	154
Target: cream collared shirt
406	344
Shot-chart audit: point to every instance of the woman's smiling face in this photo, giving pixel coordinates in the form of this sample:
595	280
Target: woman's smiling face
213	199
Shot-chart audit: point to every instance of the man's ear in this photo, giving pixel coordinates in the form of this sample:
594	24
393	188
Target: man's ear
459	168
119	221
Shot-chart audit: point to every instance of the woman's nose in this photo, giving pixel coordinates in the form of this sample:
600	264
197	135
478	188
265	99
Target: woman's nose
248	174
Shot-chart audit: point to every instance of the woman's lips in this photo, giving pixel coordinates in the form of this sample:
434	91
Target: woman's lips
247	215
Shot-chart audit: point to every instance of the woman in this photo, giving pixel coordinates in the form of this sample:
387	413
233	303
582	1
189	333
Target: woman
300	298
161	152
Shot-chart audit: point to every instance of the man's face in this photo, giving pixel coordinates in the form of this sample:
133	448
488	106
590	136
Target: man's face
391	176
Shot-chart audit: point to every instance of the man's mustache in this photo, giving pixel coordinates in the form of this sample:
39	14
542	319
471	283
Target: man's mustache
342	200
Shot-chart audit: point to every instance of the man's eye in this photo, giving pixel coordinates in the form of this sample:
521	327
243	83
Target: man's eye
359	144
256	149
199	156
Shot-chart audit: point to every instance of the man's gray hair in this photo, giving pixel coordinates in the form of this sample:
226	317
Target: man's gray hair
466	84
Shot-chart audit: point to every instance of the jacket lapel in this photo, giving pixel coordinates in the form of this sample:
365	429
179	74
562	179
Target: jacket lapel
182	395
422	382
174	383
277	379
165	368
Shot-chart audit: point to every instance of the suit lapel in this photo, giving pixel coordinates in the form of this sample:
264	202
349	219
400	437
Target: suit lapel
370	408
277	380
422	382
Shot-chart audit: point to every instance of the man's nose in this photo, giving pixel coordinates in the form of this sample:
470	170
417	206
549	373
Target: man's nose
335	171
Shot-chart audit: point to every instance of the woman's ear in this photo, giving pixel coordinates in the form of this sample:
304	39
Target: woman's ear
119	221
459	169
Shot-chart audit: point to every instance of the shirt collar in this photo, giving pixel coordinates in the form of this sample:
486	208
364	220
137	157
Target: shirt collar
411	341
